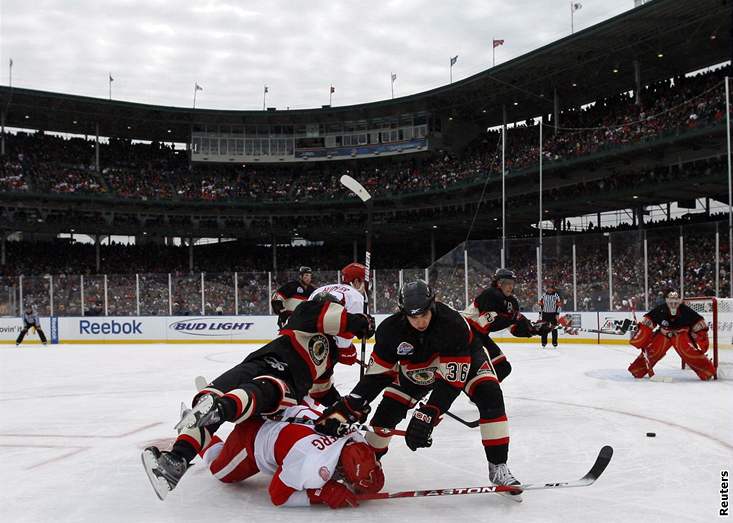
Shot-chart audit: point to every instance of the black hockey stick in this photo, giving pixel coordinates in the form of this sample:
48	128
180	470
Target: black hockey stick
602	461
470	424
355	426
359	190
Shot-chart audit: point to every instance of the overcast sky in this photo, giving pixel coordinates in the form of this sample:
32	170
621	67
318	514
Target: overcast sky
156	49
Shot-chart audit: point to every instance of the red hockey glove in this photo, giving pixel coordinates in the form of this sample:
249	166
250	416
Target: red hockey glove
347	356
333	494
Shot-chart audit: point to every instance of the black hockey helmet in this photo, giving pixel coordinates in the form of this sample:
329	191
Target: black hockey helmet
305	270
415	298
325	297
504	274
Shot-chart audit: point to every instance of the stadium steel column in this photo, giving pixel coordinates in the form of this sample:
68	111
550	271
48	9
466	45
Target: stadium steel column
610	274
646	274
50	294
539	223
2	133
730	188
236	295
682	266
575	280
503	189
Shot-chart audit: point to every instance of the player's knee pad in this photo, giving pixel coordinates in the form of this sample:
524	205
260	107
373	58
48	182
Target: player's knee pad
488	398
503	368
390	412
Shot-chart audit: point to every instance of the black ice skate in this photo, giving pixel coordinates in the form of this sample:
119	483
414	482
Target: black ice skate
164	470
500	475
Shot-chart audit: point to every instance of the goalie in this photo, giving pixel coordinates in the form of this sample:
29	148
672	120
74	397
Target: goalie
672	324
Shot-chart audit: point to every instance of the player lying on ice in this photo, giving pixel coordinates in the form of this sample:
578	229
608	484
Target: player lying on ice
426	349
277	376
308	468
672	324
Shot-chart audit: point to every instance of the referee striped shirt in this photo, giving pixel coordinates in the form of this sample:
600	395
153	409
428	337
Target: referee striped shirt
550	302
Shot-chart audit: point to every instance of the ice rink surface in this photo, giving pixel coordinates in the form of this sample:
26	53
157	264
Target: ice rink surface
75	419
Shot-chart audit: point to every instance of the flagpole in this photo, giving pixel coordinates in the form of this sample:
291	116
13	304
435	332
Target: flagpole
572	28
10	73
330	95
493	53
391	78
109	76
451	70
194	95
264	98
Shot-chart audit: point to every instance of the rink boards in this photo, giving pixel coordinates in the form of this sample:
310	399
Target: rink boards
594	327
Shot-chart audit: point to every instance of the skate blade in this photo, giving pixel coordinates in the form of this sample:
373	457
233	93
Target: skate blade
189	417
514	497
201	383
160	485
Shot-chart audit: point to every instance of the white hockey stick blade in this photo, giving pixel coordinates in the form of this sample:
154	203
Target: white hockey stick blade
200	383
355	187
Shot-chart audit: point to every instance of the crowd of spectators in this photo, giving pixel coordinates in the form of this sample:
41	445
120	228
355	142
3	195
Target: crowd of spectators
157	171
144	270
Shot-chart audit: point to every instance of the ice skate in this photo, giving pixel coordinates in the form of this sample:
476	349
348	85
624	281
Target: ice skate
205	412
164	470
500	475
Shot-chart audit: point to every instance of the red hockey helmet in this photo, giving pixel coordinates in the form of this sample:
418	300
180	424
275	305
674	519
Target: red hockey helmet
360	467
353	271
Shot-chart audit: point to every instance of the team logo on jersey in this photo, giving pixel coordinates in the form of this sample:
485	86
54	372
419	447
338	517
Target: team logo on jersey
300	290
665	323
275	364
404	348
509	306
318	348
424	376
324	473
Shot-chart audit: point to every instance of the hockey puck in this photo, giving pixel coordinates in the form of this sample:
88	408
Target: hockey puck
651	434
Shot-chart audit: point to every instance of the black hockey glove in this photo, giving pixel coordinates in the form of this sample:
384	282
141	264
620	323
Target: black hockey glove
337	419
420	429
371	326
542	327
282	319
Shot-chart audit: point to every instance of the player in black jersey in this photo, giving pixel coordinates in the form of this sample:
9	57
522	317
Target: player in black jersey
274	377
288	296
426	349
495	309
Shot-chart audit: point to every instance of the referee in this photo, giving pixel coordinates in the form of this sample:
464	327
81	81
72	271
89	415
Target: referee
30	321
550	304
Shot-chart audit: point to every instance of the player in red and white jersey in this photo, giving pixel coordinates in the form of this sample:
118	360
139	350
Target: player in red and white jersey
308	468
350	293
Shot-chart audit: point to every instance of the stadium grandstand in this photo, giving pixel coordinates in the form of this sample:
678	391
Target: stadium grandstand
622	125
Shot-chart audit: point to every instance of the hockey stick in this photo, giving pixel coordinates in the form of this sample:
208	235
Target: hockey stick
602	461
470	424
355	426
359	190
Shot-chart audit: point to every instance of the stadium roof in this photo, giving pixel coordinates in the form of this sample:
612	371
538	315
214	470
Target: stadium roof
666	38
